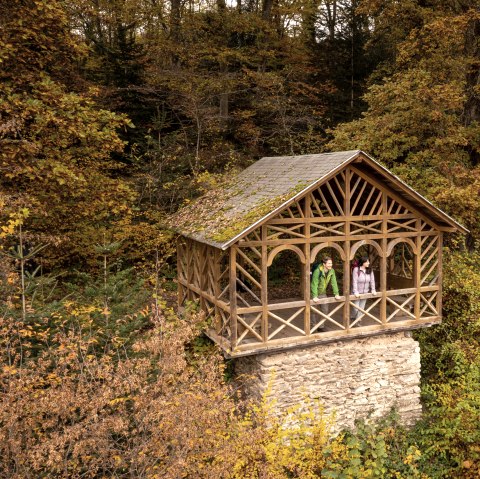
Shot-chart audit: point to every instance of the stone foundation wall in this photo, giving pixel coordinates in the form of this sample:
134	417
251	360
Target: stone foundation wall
355	379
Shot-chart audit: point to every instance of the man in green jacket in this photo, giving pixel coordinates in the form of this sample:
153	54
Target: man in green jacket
322	277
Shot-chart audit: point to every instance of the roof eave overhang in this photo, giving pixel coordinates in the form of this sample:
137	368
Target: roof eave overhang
453	226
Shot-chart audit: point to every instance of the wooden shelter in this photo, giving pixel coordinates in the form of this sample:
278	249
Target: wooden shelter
245	252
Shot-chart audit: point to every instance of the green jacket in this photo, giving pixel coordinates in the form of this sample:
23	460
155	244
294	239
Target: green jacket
320	283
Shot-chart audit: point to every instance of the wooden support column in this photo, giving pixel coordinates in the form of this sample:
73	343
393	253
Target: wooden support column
306	268
233	297
180	287
201	257
264	285
383	261
440	273
346	266
216	287
189	272
417	269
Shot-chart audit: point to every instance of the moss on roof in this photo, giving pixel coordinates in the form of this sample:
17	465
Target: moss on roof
250	217
228	221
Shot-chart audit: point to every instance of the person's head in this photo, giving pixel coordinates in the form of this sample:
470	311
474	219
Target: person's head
365	262
327	262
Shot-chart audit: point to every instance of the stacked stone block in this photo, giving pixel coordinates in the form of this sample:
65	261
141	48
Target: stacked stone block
360	378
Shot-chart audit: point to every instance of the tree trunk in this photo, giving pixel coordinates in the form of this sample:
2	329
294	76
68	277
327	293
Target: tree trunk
331	18
175	18
472	106
267	9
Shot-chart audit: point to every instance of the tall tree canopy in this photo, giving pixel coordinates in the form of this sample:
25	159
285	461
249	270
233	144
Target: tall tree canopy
209	85
56	144
422	119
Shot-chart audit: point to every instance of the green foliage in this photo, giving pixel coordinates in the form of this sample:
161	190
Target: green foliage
382	449
56	144
98	375
447	349
106	306
449	435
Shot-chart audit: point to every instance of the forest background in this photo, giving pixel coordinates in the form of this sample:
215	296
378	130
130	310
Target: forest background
115	113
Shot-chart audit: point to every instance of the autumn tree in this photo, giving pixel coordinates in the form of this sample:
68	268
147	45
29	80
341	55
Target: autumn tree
57	146
421	119
219	84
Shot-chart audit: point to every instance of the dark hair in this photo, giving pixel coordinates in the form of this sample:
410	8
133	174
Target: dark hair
362	261
326	258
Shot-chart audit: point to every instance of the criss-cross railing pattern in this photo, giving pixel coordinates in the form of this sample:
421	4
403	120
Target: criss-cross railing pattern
401	306
428	306
277	323
249	327
360	315
222	323
332	319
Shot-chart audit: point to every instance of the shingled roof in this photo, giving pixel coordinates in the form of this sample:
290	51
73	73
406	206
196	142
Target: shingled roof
265	188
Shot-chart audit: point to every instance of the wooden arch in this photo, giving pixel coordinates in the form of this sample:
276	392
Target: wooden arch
329	244
396	241
361	243
277	250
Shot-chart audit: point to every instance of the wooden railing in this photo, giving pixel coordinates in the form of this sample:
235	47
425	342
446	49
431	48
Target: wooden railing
287	324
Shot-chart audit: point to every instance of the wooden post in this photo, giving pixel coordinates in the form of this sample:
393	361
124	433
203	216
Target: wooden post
216	287
346	266
264	284
417	273
383	261
233	297
440	274
189	272
201	258
306	269
180	288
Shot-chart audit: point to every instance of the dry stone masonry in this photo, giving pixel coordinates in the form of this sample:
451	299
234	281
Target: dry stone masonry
353	379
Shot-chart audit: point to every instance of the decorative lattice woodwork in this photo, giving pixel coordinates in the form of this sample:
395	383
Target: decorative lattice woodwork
350	214
429	262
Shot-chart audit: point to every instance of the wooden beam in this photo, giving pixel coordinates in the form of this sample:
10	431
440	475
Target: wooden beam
221	304
306	266
323	239
346	263
330	219
325	338
398	198
440	274
383	264
264	286
426	204
233	296
417	271
180	293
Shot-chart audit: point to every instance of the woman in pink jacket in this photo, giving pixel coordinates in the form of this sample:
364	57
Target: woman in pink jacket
363	281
